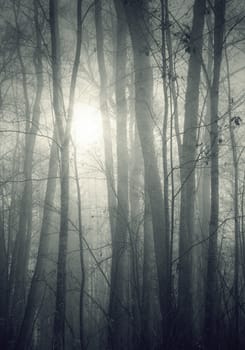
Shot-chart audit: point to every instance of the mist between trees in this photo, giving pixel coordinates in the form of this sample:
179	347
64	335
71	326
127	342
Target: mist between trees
122	177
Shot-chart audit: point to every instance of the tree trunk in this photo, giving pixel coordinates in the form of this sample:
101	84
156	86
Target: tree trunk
187	170
235	190
136	218
64	137
109	167
38	282
58	341
118	328
83	275
164	8
137	21
203	195
149	271
211	287
3	281
22	244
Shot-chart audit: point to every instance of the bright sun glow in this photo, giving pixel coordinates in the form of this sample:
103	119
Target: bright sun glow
86	126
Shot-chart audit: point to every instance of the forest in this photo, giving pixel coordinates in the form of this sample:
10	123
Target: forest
122	175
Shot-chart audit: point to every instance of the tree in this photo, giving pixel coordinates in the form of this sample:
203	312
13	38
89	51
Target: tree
118	327
136	13
109	167
64	139
212	264
20	256
187	172
133	239
233	122
38	282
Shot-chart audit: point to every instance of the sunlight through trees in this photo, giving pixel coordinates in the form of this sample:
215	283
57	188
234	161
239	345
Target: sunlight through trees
122	178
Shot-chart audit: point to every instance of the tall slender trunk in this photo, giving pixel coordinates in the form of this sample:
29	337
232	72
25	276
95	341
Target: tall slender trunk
203	194
58	341
235	190
38	282
83	275
119	270
149	270
3	279
12	223
187	171
22	244
212	265
174	118
135	189
108	154
165	119
167	74
137	20
64	137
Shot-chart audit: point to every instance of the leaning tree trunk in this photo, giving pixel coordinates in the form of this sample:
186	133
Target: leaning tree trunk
211	287
38	282
118	327
136	14
187	171
22	244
